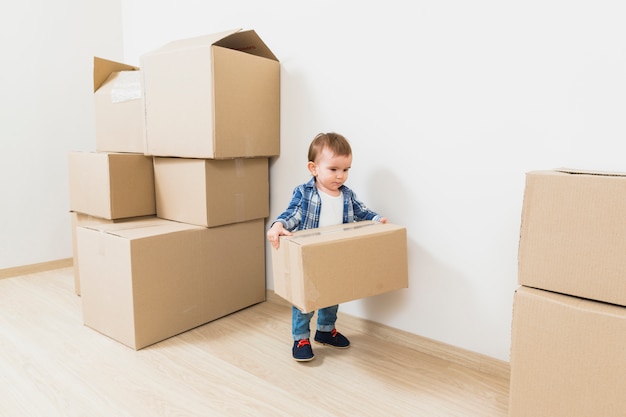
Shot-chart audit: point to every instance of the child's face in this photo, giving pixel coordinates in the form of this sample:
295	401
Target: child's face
330	170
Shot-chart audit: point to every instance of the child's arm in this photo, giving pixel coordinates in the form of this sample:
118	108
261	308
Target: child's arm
361	212
288	220
276	231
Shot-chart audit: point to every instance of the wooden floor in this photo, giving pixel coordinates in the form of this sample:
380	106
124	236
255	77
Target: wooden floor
240	365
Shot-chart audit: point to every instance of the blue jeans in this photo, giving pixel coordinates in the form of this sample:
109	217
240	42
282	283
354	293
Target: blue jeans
326	318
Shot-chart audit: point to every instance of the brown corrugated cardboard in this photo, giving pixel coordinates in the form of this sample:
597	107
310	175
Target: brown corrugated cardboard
214	96
567	356
119	109
572	234
321	267
111	185
82	219
209	192
148	280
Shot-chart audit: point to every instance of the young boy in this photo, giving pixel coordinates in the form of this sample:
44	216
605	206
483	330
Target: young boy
322	201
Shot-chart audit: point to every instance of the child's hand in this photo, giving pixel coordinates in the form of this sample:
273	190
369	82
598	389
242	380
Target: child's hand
384	220
276	231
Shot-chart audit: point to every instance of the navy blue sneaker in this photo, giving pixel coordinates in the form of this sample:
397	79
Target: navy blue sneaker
302	350
332	338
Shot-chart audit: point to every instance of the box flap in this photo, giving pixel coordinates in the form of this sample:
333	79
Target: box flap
102	69
143	227
248	42
244	41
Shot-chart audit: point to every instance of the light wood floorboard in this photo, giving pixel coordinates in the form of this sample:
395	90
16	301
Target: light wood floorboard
240	365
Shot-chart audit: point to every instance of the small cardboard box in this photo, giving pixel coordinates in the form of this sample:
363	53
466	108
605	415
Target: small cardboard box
572	234
209	192
567	356
111	185
119	109
317	268
151	279
215	96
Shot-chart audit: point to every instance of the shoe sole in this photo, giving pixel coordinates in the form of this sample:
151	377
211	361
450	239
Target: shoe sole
328	344
305	359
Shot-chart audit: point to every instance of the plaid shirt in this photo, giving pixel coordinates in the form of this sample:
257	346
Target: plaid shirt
304	208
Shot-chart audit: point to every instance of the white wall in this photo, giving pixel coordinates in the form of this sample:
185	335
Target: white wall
447	105
46	110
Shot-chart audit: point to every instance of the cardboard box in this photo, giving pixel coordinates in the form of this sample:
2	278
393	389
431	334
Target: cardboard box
317	268
82	219
214	96
567	356
151	279
119	109
572	234
209	192
79	219
111	185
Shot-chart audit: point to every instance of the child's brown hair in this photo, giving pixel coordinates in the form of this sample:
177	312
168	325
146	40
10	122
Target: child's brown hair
335	142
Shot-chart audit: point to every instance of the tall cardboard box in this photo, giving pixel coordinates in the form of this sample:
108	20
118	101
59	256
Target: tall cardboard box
118	105
111	185
572	234
215	96
321	267
568	356
151	279
210	192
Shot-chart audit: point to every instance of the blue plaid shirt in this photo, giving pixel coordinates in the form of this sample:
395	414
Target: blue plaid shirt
304	208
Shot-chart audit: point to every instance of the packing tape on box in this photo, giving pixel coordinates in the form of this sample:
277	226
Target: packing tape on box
240	167
318	232
240	207
126	87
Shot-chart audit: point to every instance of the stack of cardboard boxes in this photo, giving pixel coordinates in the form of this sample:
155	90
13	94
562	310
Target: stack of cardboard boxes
568	350
169	211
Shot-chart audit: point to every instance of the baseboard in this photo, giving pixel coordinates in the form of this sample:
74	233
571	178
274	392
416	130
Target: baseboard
453	354
34	268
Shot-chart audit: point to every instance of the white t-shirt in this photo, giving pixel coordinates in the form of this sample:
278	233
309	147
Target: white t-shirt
332	209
